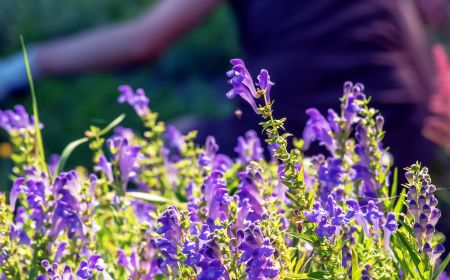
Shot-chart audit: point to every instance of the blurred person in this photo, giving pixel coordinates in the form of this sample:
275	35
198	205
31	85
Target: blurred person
436	126
309	47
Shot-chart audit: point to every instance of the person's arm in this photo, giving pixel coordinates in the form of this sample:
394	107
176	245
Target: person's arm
125	43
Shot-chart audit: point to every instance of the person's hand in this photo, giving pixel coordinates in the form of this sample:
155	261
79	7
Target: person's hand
436	127
13	73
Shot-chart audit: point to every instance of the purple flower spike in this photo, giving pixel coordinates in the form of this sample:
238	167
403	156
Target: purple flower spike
257	254
216	197
317	128
389	227
242	84
127	157
137	99
265	83
105	167
325	229
249	148
172	233
87	268
175	140
17	120
354	211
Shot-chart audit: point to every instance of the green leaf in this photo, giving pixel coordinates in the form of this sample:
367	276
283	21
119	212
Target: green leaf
40	143
152	198
406	226
441	268
67	152
305	237
356	272
318	275
293	198
311	275
404	265
111	125
394	182
401	242
401	199
73	145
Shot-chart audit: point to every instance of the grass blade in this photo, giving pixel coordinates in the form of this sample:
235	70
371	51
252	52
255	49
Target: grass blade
111	125
153	198
394	187
73	145
67	152
40	143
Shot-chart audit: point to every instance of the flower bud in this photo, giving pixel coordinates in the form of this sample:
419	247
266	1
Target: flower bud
413	209
410	177
429	232
434	216
412	193
437	252
423	221
421	201
432	188
427	249
418	232
426	210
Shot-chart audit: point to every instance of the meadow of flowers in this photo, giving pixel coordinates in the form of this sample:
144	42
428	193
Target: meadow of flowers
158	206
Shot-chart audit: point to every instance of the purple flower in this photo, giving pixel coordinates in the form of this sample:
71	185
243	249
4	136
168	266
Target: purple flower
172	234
54	161
17	120
374	216
143	210
249	148
265	83
389	227
192	203
354	211
68	187
257	254
138	267
35	189
126	156
330	178
352	94
332	119
214	271
216	197
137	99
438	250
174	138
249	188
330	218
87	268
205	254
105	167
210	159
242	83
318	129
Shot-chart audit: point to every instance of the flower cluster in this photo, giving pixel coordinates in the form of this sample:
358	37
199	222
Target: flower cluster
84	271
422	207
159	206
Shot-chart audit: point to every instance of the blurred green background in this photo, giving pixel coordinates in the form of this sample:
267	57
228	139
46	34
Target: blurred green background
186	79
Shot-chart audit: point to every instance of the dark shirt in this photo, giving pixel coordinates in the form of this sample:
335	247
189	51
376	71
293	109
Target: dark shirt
311	47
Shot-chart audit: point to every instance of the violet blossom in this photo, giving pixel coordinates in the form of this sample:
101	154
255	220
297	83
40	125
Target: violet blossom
135	99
